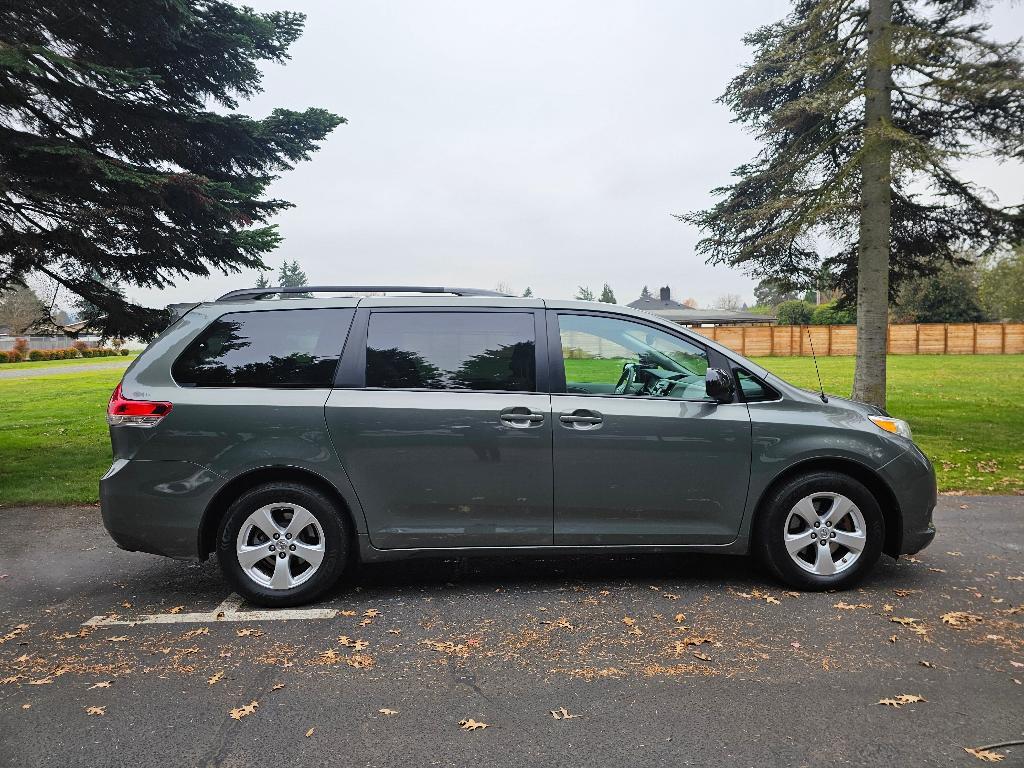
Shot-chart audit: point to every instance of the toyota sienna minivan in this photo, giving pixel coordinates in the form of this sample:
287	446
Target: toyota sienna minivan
292	434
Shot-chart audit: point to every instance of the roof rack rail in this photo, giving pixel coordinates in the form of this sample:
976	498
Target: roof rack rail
259	293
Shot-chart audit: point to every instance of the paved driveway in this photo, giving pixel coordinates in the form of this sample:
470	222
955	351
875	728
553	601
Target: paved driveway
109	658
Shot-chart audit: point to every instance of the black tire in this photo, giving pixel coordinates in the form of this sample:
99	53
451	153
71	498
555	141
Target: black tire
337	540
770	530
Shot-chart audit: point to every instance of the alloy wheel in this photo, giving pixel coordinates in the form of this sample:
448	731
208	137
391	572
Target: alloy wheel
280	546
825	533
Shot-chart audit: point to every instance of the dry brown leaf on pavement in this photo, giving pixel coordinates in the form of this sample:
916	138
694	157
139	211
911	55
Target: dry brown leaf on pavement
985	755
371	613
117	639
244	711
469	724
926	664
360	661
960	619
177	609
96	710
387	712
701	656
845	606
629	622
680	618
216	678
562	714
101	684
248	632
903	698
310	732
277	686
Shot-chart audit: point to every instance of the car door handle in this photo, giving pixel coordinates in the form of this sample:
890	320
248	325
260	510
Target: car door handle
520	417
581	419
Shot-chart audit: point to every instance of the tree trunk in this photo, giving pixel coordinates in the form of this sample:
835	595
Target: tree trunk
876	211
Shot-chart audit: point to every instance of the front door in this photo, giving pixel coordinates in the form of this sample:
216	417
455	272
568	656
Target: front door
641	454
444	429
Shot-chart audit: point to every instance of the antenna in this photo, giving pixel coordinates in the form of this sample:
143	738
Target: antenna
821	389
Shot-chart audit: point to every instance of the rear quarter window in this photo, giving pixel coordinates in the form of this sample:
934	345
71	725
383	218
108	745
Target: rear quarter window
275	348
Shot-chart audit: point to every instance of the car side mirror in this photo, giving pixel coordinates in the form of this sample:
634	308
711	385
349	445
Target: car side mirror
719	385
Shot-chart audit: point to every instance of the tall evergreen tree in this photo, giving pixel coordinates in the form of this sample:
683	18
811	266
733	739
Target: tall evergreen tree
122	158
262	281
584	294
864	108
291	275
645	293
607	295
528	293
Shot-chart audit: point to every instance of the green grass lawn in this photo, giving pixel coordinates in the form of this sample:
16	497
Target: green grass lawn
29	364
966	413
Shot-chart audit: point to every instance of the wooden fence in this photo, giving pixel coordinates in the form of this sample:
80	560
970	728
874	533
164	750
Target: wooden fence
918	339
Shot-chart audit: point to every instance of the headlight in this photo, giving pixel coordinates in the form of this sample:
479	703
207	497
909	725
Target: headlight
896	426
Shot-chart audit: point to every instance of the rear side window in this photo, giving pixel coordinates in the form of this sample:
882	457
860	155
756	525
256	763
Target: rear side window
451	350
278	348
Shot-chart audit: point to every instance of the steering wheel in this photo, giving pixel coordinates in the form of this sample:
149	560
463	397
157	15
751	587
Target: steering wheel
627	379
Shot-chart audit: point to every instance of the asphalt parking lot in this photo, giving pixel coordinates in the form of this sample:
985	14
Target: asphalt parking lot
109	658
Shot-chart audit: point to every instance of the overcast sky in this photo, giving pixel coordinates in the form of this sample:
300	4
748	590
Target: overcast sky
542	144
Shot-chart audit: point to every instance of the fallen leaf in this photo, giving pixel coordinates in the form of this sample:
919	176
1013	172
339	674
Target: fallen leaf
348	642
13	633
118	639
669	596
629	622
277	686
26	706
985	755
388	712
96	710
365	622
903	698
371	613
792	594
906	621
310	732
904	592
772	600
795	645
177	609
248	632
701	656
360	661
394	631
562	714
41	681
1017	664
195	633
680	618
844	606
216	678
888	608
101	684
126	604
244	711
892	638
926	664
472	725
937	570
347	613
960	619
955	554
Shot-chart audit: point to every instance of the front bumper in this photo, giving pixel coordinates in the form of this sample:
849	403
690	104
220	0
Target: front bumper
157	506
912	479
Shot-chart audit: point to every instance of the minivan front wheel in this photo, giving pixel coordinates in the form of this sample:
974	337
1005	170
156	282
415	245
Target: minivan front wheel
822	530
282	544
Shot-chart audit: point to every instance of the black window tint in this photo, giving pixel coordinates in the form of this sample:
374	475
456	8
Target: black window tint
279	348
451	350
753	390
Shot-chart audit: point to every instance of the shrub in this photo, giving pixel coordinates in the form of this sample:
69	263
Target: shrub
830	314
20	349
35	354
3	357
793	312
124	352
80	345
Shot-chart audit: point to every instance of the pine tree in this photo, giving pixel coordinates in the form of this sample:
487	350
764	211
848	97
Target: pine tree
123	160
584	294
646	294
527	293
262	281
607	295
291	275
864	108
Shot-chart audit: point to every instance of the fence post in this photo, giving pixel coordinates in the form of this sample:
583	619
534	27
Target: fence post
1002	338
974	338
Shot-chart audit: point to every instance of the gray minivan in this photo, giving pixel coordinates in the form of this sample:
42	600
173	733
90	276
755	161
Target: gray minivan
291	434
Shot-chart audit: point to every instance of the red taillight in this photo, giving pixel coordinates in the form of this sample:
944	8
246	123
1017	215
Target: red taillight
134	413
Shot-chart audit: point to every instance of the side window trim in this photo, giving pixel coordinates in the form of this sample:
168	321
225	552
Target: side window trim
352	369
557	362
736	369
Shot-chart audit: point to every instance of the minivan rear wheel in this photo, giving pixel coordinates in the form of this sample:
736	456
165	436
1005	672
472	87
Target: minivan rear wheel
282	544
821	530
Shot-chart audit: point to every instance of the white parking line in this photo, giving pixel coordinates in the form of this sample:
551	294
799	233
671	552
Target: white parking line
228	610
